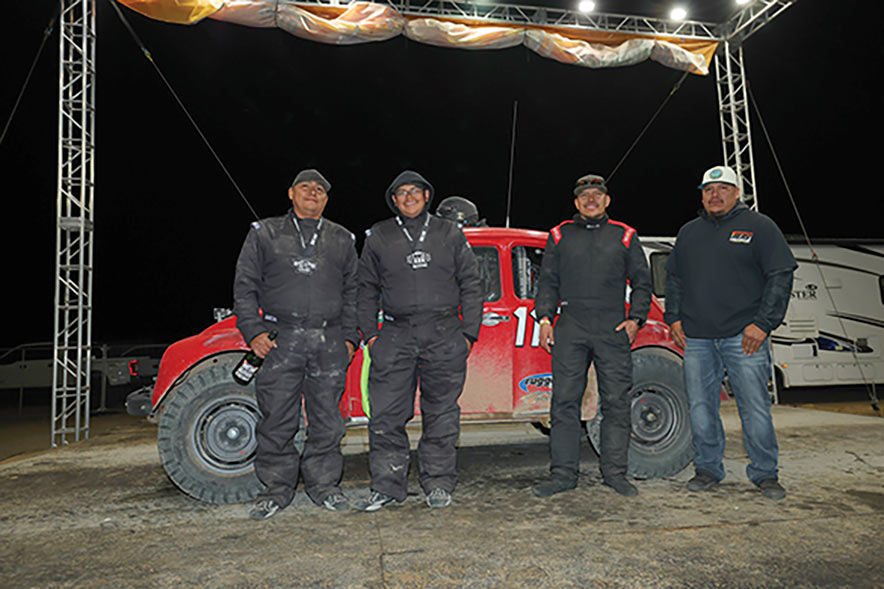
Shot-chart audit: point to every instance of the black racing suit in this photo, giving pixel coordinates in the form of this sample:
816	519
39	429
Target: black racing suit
306	290
429	313
586	266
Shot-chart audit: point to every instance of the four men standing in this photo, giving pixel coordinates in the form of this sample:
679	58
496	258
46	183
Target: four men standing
729	280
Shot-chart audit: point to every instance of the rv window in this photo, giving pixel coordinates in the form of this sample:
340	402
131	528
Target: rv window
658	273
881	288
526	270
489	272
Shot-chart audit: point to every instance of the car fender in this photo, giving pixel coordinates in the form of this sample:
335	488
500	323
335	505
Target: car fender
185	355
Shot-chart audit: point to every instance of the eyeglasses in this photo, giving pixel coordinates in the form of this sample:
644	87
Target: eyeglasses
404	192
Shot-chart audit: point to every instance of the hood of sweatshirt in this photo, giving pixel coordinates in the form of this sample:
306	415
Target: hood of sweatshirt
408	177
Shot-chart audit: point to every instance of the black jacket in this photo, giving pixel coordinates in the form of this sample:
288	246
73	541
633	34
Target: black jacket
586	266
448	284
267	277
727	272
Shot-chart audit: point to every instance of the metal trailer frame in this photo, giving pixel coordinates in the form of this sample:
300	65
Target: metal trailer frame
76	150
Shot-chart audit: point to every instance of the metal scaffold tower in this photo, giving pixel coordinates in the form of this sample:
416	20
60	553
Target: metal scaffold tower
72	347
736	134
731	80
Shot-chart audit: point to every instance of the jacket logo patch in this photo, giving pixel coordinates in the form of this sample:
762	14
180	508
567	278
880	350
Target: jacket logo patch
741	236
304	266
418	259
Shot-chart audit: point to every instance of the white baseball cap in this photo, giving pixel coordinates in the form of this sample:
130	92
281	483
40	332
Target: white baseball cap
722	174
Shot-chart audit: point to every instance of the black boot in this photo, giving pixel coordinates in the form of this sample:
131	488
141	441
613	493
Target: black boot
554	485
621	485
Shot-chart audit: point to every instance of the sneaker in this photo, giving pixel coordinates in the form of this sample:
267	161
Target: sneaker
621	485
376	501
771	488
554	485
264	509
702	481
336	502
438	498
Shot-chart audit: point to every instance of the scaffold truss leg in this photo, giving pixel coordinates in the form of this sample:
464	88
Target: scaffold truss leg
74	223
733	112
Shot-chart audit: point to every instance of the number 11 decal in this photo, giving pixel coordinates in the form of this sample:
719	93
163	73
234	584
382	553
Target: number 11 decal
522	315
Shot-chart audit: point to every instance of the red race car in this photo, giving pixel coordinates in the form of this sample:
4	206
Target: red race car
207	421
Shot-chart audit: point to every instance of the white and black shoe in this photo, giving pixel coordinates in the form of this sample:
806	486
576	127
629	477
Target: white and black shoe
438	498
264	509
336	502
375	501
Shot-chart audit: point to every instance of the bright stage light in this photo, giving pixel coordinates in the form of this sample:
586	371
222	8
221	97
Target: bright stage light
586	6
678	13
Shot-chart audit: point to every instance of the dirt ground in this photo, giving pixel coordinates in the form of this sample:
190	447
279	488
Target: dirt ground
102	513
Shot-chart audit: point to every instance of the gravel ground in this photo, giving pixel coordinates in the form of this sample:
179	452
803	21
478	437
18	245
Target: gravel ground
102	513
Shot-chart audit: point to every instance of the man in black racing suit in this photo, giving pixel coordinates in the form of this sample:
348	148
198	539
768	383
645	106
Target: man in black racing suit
587	264
299	270
421	271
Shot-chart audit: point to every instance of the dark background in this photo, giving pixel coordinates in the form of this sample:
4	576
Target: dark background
169	224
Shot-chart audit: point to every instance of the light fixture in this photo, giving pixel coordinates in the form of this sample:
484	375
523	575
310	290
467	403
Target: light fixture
678	13
586	6
742	2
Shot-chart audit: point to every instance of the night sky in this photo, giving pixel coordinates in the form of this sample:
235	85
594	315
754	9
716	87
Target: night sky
169	224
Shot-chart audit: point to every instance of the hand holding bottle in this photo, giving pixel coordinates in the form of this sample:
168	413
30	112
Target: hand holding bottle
262	343
251	361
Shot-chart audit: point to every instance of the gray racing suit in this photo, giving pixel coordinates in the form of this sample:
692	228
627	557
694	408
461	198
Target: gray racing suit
305	289
432	304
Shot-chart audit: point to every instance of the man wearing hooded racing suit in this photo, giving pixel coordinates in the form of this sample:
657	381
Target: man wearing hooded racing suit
420	270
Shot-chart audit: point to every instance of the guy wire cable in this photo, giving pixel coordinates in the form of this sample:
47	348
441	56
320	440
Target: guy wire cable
653	117
870	387
509	188
46	33
149	57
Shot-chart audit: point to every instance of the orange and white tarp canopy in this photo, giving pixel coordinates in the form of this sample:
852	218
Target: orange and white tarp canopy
363	22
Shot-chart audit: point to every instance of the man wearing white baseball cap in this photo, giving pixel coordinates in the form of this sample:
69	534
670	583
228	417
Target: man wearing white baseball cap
729	279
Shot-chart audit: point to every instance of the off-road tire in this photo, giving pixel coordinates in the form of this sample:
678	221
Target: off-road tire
207	437
660	443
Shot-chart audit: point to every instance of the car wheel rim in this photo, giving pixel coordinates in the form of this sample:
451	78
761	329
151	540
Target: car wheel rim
224	435
656	416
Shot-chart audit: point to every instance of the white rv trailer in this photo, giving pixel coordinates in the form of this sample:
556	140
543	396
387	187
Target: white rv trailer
834	328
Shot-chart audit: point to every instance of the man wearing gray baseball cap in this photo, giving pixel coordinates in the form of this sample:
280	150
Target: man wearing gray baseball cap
587	262
296	276
728	283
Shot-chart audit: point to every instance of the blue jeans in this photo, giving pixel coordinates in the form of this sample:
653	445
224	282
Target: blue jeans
705	361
